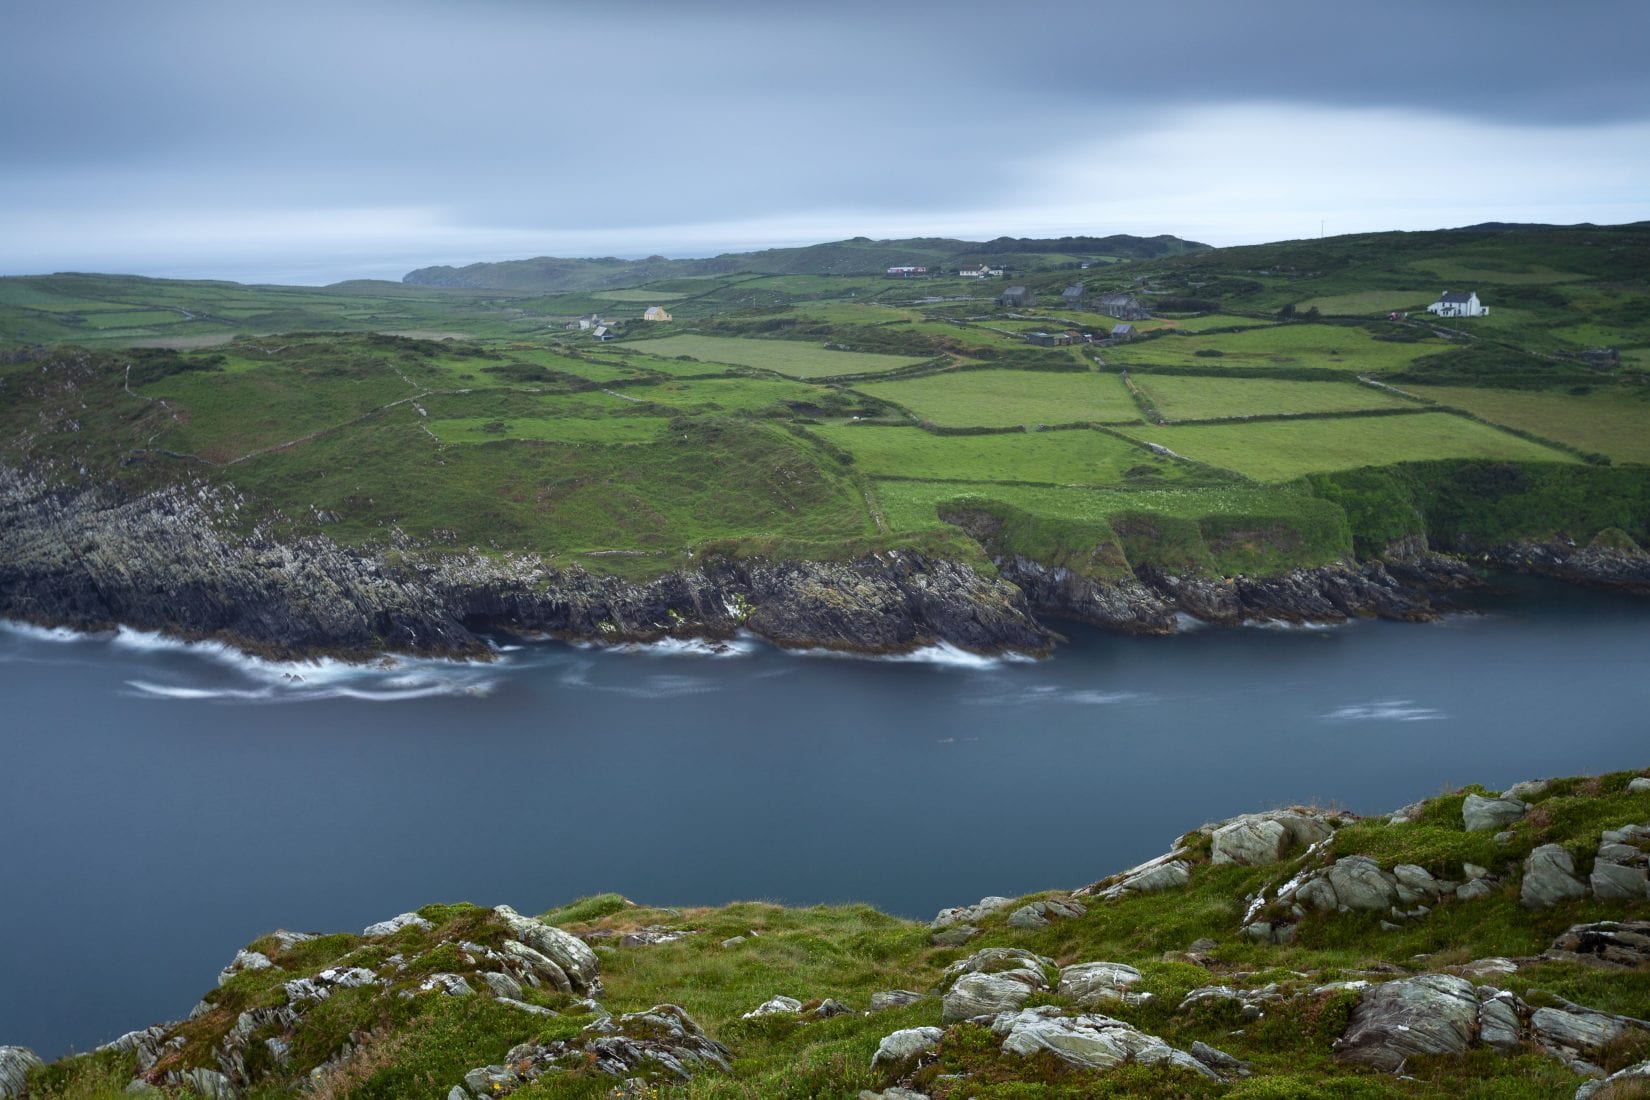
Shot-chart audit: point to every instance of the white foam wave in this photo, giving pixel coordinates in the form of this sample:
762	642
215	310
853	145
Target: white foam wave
742	646
1386	710
46	633
1103	698
940	655
1280	624
1188	624
172	691
1053	695
401	690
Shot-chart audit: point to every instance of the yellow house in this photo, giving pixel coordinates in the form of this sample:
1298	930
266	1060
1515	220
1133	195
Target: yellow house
655	313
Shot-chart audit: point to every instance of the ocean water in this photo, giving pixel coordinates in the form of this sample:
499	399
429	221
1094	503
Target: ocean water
162	804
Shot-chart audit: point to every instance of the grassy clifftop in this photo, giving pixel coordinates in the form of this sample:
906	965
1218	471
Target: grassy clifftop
1266	413
1225	948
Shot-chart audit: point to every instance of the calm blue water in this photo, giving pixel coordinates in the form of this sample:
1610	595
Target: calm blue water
162	805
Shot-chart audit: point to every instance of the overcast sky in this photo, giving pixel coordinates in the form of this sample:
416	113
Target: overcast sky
313	141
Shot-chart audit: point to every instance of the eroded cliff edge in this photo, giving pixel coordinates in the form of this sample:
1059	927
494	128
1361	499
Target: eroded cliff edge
90	557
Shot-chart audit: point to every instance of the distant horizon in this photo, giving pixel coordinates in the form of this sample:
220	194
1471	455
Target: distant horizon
394	270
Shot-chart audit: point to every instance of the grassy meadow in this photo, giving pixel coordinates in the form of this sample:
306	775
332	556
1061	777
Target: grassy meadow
830	413
1282	450
1004	398
787	357
1608	421
1180	397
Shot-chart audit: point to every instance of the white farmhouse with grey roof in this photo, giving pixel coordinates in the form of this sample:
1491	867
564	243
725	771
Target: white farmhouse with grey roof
1453	303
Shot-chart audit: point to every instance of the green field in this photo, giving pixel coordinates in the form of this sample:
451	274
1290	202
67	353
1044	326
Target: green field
637	296
794	358
1280	450
1371	302
1466	272
1181	397
1073	457
1002	398
553	429
1209	321
1608	421
1326	347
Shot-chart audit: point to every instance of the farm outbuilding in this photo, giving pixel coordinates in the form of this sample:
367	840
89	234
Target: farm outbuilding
1453	303
1016	297
655	313
1072	295
1123	306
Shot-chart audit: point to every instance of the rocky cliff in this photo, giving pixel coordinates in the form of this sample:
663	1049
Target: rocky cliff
1482	942
176	560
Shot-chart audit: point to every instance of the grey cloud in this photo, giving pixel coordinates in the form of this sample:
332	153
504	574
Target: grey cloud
556	115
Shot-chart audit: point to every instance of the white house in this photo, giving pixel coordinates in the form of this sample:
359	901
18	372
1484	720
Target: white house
1453	303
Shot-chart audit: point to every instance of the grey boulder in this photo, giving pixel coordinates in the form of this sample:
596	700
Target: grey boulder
994	980
396	924
1615	882
775	1006
1255	839
902	1047
1250	842
1429	1014
1039	913
1095	983
968	914
1614	943
1624	1078
1549	878
566	950
893	998
1575	1036
15	1064
1500	1020
1090	1042
976	995
1482	814
1360	884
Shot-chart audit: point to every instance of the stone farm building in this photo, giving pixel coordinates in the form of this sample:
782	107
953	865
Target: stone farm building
1072	295
655	313
1123	306
1016	296
1453	303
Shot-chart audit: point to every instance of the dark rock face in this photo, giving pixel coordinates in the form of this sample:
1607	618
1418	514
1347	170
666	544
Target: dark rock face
1609	943
1128	605
1331	593
1597	566
87	558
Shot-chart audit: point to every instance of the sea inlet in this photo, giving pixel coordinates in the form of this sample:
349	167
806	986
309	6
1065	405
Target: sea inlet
164	804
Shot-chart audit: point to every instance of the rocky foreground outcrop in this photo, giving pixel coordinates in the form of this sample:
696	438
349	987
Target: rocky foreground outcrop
1300	946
